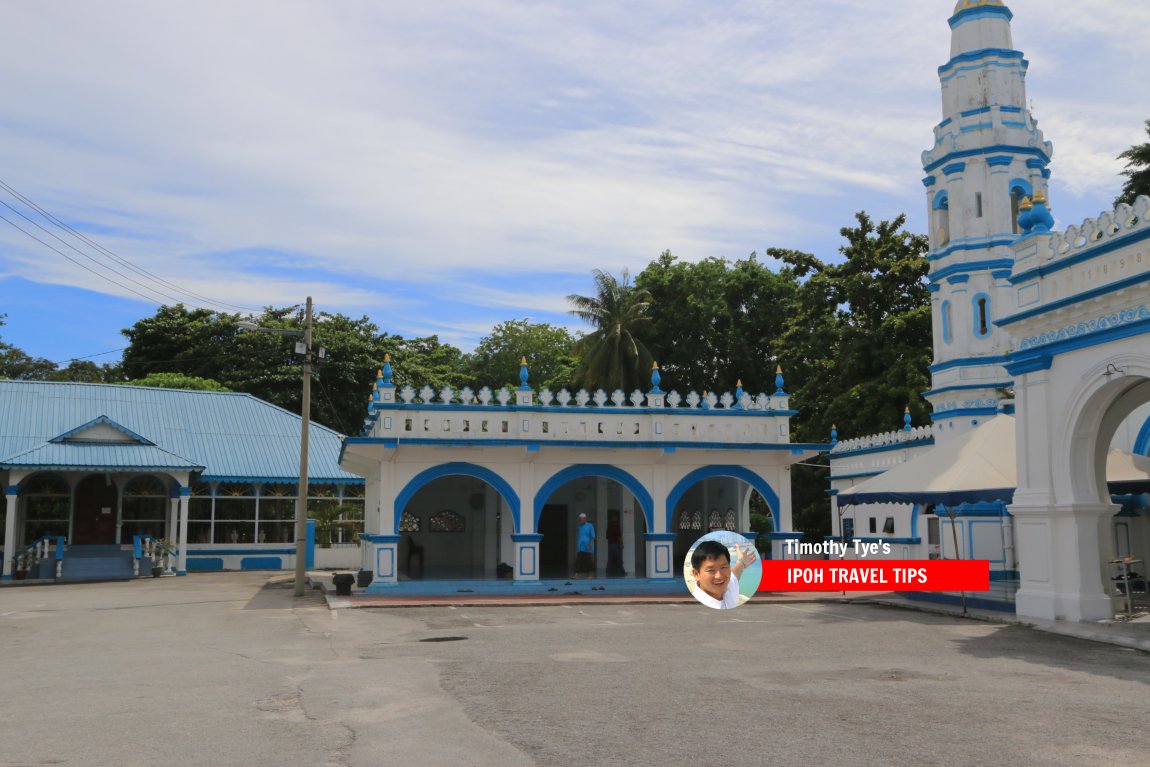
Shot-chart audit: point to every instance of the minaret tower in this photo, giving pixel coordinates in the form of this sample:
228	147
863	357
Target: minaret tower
988	158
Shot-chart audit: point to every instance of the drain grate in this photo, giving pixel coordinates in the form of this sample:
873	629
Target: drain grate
443	639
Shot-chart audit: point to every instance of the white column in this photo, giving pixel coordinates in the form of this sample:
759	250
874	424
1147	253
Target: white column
492	518
599	520
9	541
506	529
182	560
173	519
627	523
1060	562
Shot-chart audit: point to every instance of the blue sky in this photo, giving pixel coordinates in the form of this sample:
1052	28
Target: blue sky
441	167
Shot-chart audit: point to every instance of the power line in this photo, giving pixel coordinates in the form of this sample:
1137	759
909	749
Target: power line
125	262
85	255
14	225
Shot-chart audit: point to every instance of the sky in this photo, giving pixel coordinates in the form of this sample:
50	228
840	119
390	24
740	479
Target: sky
441	167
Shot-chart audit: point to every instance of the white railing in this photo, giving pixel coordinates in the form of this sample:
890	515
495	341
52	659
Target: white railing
900	437
162	554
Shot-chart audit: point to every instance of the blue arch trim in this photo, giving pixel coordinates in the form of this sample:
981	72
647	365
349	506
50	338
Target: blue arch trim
941	201
1142	443
419	481
1022	185
735	472
580	470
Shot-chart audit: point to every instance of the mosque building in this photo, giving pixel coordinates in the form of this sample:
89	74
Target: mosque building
1035	458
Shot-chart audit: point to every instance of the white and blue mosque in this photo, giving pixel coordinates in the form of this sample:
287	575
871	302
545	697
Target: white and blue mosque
1041	416
1041	373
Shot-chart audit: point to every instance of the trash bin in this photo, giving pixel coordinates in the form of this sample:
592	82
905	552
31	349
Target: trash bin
342	583
363	578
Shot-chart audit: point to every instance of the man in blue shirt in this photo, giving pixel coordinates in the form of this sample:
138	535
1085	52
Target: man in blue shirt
585	549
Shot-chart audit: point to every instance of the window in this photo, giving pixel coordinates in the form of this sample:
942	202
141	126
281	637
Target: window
978	204
277	509
981	315
689	520
235	513
729	520
447	521
848	528
409	523
873	525
888	526
200	513
1016	195
144	508
714	520
947	327
47	507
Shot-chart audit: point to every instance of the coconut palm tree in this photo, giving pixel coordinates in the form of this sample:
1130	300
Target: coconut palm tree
613	356
1137	171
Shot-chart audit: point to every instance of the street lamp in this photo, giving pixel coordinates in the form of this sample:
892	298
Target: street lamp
304	348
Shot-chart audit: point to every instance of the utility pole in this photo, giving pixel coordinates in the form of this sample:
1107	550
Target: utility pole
301	499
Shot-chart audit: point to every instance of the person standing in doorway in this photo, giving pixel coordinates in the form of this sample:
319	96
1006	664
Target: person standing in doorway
585	549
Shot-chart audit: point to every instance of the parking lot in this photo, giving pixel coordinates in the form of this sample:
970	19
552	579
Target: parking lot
230	669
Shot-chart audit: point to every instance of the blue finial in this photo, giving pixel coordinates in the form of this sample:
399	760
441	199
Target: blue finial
739	394
387	370
779	380
523	375
906	419
655	379
834	434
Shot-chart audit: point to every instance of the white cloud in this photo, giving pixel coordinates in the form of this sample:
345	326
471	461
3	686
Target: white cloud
360	151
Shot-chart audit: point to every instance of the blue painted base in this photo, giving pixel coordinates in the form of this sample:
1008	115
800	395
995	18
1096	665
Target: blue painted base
505	587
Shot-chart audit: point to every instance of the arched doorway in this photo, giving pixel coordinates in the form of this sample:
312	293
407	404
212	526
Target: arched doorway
455	522
616	505
720	498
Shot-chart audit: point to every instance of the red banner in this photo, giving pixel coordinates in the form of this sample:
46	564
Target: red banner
876	575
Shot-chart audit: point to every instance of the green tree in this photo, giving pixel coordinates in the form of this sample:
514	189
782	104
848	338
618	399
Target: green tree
426	361
1137	171
714	323
18	365
178	381
614	355
549	349
209	345
86	371
857	346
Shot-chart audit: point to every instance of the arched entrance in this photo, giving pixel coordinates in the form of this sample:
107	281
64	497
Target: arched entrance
455	522
616	505
720	498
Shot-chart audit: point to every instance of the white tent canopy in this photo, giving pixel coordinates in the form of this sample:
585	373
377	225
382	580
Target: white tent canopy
977	466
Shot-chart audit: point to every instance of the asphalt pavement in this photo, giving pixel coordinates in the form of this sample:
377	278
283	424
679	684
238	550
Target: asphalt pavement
231	669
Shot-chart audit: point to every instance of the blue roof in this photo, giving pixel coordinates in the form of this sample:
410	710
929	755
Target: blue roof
232	436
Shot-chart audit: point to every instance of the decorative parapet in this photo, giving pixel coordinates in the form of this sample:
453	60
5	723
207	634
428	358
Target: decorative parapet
886	439
1064	270
506	416
1108	226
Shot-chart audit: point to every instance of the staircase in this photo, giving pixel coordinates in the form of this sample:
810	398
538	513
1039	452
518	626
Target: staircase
97	563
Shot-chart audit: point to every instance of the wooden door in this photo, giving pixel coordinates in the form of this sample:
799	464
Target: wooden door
94	512
553	561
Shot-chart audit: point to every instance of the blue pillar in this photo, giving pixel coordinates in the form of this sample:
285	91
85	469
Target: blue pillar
310	561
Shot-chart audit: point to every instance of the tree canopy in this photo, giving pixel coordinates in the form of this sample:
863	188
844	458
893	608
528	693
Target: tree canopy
614	355
1137	171
549	349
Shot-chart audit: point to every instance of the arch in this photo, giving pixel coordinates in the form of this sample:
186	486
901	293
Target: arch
458	468
981	318
734	472
578	471
1020	186
947	325
941	201
1142	443
1094	414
